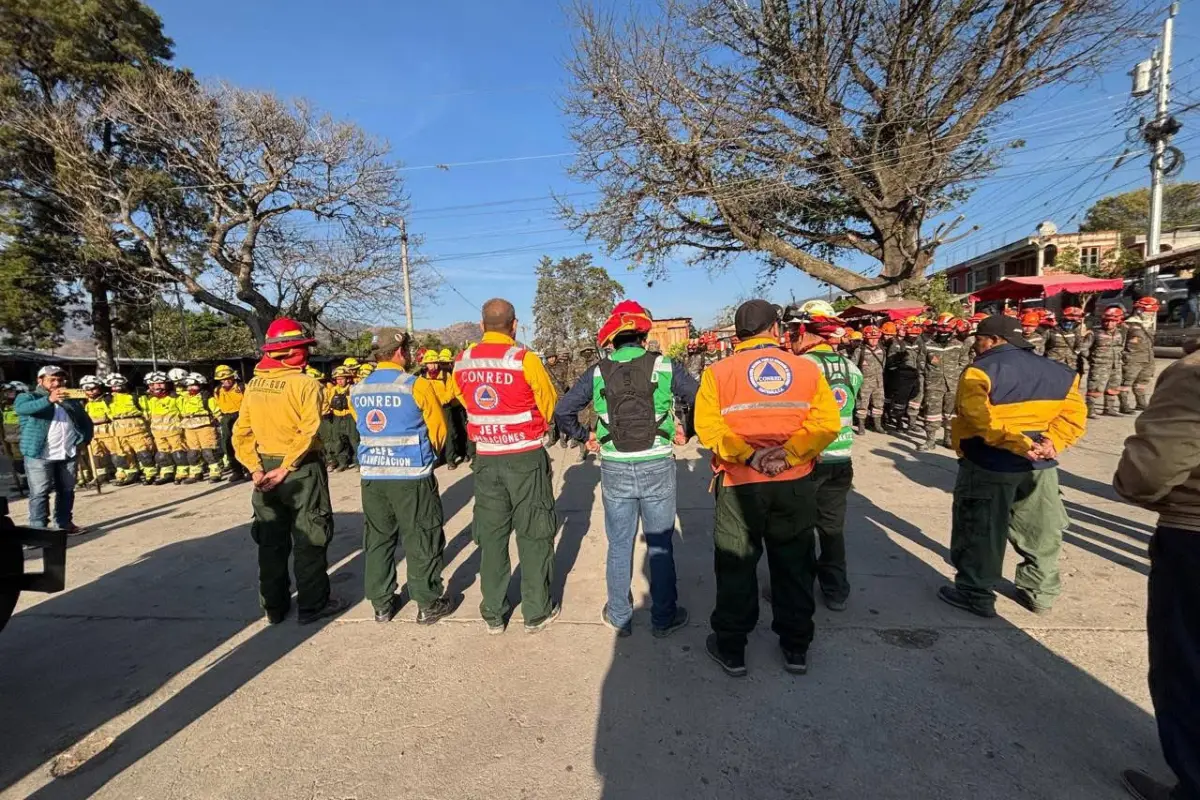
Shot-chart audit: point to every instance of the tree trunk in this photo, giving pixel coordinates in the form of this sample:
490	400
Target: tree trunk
102	323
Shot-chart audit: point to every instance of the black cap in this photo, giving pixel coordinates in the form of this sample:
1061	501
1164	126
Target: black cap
754	316
1005	327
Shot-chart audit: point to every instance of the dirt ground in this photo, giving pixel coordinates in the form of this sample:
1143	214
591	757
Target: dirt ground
153	675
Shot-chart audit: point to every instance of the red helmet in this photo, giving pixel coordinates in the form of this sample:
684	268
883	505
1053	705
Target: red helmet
827	327
962	326
284	334
1114	314
1011	312
944	322
889	329
1073	312
626	316
1030	319
915	327
978	317
872	332
1146	304
1049	320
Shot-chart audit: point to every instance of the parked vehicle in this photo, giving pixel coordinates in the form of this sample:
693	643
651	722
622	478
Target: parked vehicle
1170	290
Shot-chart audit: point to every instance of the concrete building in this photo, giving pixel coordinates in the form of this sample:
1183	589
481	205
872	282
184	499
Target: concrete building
1030	256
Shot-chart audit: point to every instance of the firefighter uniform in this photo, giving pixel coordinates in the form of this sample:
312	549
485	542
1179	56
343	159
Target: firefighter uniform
1137	362
277	429
198	415
169	444
941	367
509	400
132	432
229	401
871	360
1104	371
104	450
401	427
758	397
1063	346
339	446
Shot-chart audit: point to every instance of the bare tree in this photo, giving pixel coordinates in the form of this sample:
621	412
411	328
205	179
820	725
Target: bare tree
800	129
232	194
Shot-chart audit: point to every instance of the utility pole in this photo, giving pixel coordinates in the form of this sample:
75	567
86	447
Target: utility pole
408	315
1157	133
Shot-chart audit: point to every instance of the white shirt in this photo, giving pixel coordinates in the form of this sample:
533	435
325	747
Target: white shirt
59	445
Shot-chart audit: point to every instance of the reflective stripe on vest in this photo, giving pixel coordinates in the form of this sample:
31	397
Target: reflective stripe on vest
393	438
765	395
502	415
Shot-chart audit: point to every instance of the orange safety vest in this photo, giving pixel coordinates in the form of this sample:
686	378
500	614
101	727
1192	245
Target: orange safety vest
502	415
765	394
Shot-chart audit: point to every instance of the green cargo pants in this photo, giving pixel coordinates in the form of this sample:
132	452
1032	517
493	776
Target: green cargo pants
450	448
1024	508
340	440
293	519
514	491
408	512
832	480
781	515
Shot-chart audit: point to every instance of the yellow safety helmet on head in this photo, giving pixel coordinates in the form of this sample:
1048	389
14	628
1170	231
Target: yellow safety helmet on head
314	372
445	355
350	362
430	357
223	372
364	370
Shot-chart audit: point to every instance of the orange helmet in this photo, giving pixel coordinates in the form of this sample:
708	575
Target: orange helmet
626	316
1073	312
978	317
915	327
855	336
1011	312
1030	319
1049	320
962	326
873	332
888	329
284	334
944	323
1114	314
1146	304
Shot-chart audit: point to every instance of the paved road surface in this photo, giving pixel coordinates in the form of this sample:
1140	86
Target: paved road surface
153	676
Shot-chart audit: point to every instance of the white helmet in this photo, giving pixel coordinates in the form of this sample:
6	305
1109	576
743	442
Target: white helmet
177	375
90	382
16	386
194	379
155	377
146	378
115	379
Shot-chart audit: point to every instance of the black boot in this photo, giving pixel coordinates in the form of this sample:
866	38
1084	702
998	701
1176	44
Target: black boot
859	427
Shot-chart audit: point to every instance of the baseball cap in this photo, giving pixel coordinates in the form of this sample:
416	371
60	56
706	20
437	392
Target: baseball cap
387	340
754	316
1006	328
51	369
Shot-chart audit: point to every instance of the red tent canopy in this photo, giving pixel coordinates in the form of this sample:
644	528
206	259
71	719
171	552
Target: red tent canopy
894	309
1045	286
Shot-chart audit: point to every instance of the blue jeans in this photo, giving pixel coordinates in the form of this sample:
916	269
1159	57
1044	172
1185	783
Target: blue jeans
50	476
644	489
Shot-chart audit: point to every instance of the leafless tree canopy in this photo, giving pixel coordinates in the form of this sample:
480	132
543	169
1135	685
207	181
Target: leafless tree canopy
256	206
797	129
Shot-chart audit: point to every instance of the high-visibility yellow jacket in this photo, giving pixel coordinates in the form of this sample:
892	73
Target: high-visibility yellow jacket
196	410
123	405
98	410
163	412
281	412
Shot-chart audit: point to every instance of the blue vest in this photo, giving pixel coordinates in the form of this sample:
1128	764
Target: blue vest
393	439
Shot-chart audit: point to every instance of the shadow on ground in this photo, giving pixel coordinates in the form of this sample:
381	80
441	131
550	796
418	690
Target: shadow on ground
185	600
906	697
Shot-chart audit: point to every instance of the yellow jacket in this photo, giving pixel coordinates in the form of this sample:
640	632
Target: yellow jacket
163	412
443	385
545	396
229	400
821	427
1008	397
123	405
281	412
331	392
426	396
195	407
98	411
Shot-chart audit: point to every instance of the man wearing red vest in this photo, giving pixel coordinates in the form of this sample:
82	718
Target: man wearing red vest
509	398
766	415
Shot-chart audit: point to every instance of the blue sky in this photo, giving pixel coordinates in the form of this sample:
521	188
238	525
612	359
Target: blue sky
470	81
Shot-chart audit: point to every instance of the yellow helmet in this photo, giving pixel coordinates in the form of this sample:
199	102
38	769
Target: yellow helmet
223	371
364	370
817	308
445	355
314	372
350	362
343	371
430	357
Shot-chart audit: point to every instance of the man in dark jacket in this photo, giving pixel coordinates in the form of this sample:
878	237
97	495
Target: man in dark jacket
54	429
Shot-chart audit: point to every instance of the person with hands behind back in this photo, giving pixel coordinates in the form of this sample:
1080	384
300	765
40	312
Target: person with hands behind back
276	439
1015	412
766	415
